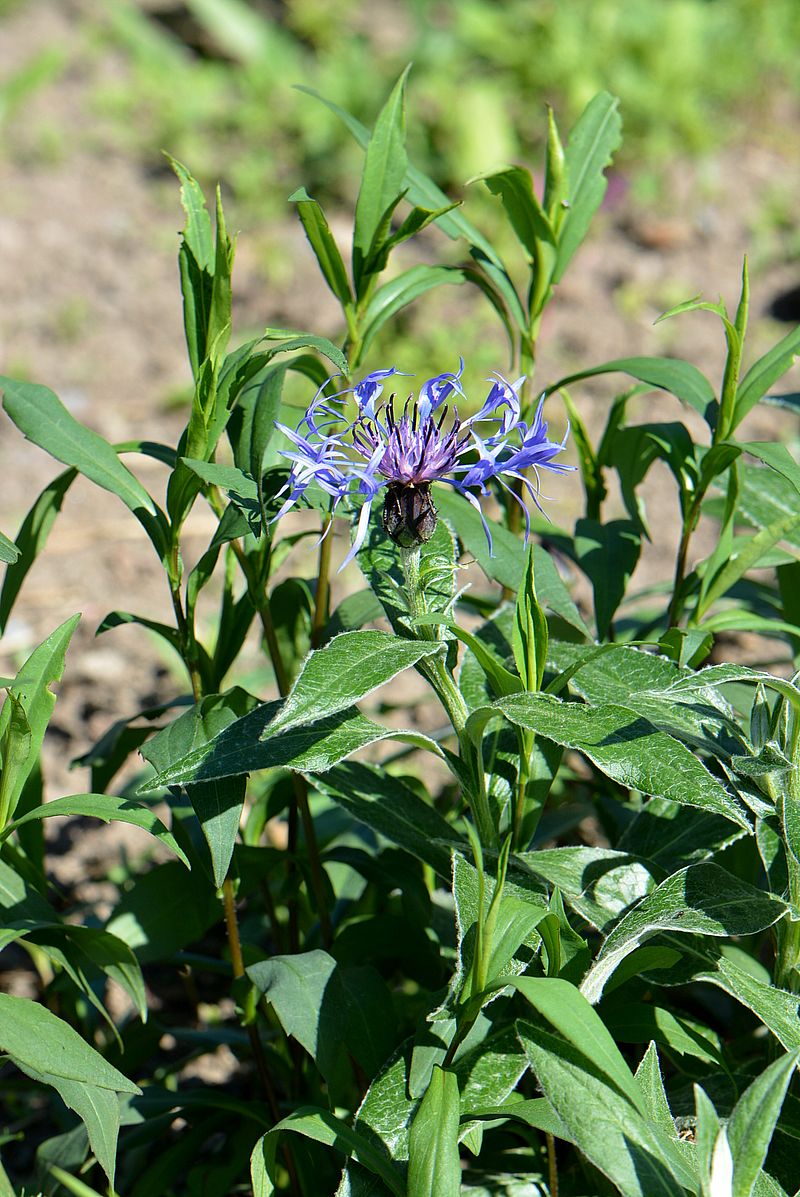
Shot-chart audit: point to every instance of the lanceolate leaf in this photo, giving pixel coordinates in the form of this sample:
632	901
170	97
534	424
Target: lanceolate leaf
399	292
434	1167
43	419
515	188
680	378
591	145
50	1051
347	669
385	165
247	745
763	373
422	191
395	810
751	1125
32	538
777	1009
324	1127
623	745
108	808
25	717
323	245
702	899
631	1151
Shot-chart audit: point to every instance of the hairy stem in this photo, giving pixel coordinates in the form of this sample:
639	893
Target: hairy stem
451	698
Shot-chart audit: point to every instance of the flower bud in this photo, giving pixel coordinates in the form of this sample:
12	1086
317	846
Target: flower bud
409	516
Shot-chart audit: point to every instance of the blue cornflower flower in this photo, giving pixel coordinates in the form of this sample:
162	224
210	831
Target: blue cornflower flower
406	450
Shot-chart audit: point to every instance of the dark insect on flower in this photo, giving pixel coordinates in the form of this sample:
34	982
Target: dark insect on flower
409	515
407	450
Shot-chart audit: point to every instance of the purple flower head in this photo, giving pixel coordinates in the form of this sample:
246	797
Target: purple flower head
405	448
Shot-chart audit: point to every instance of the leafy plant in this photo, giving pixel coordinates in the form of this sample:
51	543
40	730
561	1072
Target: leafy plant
543	936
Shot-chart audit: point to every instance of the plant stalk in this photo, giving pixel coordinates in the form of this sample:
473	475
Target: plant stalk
323	594
451	698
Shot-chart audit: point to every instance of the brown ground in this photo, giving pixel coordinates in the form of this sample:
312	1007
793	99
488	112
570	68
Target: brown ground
91	308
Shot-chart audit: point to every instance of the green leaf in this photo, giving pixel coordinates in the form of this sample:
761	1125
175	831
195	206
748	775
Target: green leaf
417	220
290	341
24	719
530	636
118	619
488	1069
323	1127
399	292
327	1008
763	373
607	554
777	1009
9	553
671	836
42	418
645	683
219	316
506	565
31	539
325	248
766	496
422	191
385	165
777	456
240	489
197	234
651	1083
635	1155
395	810
679	378
751	1125
592	142
247	745
600	883
691	685
640	1022
218	805
106	807
511	925
623	745
52	1053
514	185
702	899
347	669
163	911
296	988
571	1015
434	1167
744	555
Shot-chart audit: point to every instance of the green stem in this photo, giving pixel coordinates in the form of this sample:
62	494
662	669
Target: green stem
451	698
186	635
677	601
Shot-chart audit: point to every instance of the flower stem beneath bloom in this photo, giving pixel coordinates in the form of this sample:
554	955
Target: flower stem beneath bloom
451	698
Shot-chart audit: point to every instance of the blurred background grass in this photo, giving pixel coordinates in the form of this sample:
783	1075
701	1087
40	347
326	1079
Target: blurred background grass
211	81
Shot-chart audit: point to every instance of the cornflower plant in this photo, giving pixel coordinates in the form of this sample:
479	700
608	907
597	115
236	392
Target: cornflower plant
545	940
